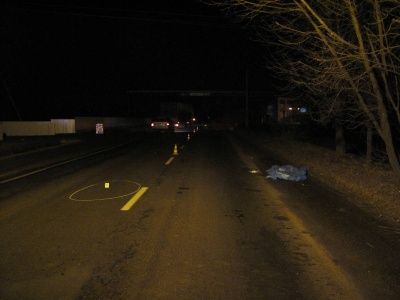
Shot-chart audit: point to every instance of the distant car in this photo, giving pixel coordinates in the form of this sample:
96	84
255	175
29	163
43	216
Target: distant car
181	124
178	124
162	124
184	126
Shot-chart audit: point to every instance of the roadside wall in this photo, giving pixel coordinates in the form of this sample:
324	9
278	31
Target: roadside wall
65	126
38	128
62	126
28	128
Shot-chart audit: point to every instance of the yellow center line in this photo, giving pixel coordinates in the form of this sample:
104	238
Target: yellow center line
135	198
169	160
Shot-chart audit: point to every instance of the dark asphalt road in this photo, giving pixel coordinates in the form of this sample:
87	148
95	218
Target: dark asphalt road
206	228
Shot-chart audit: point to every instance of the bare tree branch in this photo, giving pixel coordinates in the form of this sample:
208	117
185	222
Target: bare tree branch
344	54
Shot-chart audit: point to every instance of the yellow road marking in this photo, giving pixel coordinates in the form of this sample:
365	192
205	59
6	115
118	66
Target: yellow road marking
169	160
135	198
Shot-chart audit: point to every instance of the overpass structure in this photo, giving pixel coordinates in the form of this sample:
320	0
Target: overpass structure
199	93
242	103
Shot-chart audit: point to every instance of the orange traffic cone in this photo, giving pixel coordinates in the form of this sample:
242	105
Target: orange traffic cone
175	150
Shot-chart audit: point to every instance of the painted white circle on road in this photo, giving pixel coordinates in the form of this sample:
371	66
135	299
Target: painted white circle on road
97	192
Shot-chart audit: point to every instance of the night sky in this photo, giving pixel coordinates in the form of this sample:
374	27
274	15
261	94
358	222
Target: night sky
62	60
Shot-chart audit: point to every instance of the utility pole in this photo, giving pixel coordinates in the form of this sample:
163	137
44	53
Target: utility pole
247	99
11	99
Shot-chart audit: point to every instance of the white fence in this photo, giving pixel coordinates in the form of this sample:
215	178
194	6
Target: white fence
62	126
33	128
65	126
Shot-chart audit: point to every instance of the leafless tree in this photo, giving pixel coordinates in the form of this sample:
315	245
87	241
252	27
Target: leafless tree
344	53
